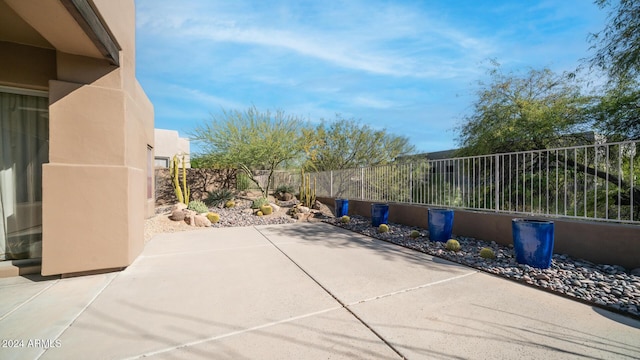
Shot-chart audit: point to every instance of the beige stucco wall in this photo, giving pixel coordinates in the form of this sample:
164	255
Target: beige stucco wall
100	124
169	143
602	243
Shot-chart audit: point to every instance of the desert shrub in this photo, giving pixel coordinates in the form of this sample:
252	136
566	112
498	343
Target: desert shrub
452	245
284	189
242	182
198	206
219	196
259	202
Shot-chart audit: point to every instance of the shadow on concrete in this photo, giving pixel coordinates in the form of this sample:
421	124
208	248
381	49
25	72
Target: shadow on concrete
619	318
330	236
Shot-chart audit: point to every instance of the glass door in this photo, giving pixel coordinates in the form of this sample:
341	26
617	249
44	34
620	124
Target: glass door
24	147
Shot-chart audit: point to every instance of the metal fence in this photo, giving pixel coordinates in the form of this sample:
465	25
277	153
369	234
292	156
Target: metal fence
590	182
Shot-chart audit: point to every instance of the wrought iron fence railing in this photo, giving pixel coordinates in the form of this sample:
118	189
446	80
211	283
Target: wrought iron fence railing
591	182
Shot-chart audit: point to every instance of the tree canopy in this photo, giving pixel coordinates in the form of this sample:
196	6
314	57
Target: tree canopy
618	44
346	143
514	112
250	140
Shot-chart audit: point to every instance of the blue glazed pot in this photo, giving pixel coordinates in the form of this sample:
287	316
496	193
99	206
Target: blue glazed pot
440	224
342	207
533	242
379	214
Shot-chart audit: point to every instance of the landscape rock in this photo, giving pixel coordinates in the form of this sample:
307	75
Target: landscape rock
201	221
177	215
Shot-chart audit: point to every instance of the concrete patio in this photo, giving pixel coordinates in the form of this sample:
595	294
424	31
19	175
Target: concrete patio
298	291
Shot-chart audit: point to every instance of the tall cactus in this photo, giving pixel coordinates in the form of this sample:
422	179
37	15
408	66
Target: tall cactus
307	196
182	193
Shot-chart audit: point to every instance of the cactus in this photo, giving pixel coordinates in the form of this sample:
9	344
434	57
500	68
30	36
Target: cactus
383	228
307	196
213	217
259	213
266	209
415	234
345	219
453	245
230	204
182	193
487	253
198	206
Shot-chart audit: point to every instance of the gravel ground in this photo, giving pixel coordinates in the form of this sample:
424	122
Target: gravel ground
607	286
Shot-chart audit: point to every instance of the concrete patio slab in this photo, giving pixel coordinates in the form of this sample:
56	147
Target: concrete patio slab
41	318
300	291
173	296
328	335
485	317
354	267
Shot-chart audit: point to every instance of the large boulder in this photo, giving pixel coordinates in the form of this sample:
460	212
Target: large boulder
177	215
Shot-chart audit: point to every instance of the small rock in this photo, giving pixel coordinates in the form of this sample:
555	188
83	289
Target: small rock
177	215
275	207
201	221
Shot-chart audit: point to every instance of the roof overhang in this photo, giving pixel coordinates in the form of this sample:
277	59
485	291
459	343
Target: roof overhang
70	26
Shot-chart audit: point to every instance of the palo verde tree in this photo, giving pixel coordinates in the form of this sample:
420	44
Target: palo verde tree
515	112
251	140
346	144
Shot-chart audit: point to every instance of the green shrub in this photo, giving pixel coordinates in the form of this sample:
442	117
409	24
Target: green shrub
213	217
259	202
284	189
487	253
198	206
453	245
266	209
415	234
383	228
219	196
345	219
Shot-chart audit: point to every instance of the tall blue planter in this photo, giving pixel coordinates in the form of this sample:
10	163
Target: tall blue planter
533	242
440	224
342	207
379	214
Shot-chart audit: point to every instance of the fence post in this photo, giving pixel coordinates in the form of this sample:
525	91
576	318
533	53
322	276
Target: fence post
497	183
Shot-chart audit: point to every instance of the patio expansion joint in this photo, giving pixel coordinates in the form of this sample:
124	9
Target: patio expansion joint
342	304
413	288
84	308
28	300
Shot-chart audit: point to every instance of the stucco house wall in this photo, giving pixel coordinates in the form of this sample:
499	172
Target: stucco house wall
168	144
96	183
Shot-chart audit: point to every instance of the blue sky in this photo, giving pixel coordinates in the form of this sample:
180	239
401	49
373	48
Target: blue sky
410	67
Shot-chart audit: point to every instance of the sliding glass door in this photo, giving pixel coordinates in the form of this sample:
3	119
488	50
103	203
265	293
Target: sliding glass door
24	147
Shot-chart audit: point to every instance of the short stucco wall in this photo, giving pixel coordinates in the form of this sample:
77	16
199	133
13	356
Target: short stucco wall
603	243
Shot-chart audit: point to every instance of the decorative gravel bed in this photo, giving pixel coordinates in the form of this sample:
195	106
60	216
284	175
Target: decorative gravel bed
607	286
